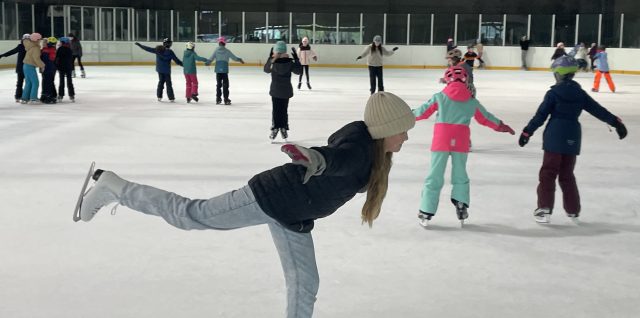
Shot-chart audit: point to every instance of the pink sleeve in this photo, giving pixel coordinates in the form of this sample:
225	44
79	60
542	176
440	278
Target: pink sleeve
483	120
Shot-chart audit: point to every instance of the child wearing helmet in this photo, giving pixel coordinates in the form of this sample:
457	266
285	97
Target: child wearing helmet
563	104
189	59
221	56
49	94
455	106
602	68
375	52
454	58
306	54
64	63
164	56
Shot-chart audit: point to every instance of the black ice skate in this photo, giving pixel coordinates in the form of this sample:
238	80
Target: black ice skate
218	101
284	133
273	134
83	74
573	217
188	100
542	215
195	97
424	218
227	102
299	85
461	210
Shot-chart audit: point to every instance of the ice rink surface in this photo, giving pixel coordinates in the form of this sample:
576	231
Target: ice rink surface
502	264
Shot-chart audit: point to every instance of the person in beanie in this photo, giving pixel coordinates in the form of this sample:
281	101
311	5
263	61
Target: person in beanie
19	49
76	49
375	51
189	59
280	66
64	64
221	56
288	198
562	138
593	50
602	68
306	54
454	108
30	62
164	56
49	94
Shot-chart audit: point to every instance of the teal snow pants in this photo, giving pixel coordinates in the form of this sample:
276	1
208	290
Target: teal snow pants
435	180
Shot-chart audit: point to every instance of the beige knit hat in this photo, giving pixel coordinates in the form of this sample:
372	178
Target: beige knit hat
386	115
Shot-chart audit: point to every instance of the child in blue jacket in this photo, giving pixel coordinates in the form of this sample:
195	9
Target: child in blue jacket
221	56
164	55
563	104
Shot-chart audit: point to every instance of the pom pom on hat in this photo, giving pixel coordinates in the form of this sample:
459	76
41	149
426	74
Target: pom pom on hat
387	114
280	47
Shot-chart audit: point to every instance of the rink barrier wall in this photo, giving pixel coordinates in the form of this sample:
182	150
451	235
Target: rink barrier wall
621	61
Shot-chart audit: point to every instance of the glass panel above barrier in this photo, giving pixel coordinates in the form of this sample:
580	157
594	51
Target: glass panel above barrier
278	27
302	26
184	25
372	25
207	26
140	25
326	26
420	29
610	34
443	28
396	29
565	29
75	20
588	28
492	29
631	30
516	28
232	26
255	23
122	25
349	28
541	30
467	29
89	22
25	18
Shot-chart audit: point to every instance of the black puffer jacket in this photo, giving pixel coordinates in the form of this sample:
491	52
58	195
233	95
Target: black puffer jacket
281	194
281	70
21	53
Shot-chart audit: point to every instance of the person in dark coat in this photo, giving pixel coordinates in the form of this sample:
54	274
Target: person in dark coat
562	136
76	49
288	198
559	51
64	63
164	56
20	50
524	49
593	50
280	66
48	56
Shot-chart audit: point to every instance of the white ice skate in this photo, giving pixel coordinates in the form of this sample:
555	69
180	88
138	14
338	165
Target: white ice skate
106	190
573	217
542	215
76	212
461	211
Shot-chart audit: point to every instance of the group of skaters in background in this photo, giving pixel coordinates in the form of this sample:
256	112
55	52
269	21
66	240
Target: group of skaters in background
49	56
599	61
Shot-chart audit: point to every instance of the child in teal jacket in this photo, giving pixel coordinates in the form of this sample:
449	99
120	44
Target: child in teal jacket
190	72
451	138
222	55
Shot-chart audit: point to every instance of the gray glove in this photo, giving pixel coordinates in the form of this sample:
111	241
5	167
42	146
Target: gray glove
311	159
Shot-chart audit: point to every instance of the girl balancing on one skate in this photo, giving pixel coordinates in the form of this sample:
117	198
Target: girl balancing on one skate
563	104
451	138
288	198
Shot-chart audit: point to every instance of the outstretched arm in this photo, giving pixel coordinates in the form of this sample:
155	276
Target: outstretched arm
485	118
11	52
426	110
146	48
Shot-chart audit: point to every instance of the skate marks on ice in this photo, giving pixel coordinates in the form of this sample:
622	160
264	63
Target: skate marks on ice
548	230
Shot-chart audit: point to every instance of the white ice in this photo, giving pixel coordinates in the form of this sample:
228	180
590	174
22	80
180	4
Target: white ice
502	264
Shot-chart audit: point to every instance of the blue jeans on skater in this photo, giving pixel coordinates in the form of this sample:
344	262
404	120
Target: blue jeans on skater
234	210
30	91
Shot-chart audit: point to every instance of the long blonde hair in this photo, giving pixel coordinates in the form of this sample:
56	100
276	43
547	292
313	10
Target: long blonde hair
378	182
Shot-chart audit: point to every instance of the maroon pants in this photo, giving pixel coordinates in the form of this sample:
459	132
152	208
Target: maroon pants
558	165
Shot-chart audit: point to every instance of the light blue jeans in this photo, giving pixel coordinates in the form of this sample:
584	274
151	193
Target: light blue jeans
233	210
30	91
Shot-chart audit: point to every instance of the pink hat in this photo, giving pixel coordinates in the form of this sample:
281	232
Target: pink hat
222	40
35	37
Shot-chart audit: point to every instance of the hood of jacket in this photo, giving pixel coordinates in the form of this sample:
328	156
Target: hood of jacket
457	91
282	66
566	91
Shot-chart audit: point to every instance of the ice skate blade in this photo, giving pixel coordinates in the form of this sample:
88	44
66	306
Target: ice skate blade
543	220
461	223
424	223
76	212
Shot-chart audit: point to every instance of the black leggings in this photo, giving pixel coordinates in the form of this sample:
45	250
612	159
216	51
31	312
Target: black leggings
279	113
79	58
305	70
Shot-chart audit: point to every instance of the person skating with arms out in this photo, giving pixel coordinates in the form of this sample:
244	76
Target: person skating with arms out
287	198
20	50
602	68
280	66
375	53
562	137
221	56
454	107
164	56
189	59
